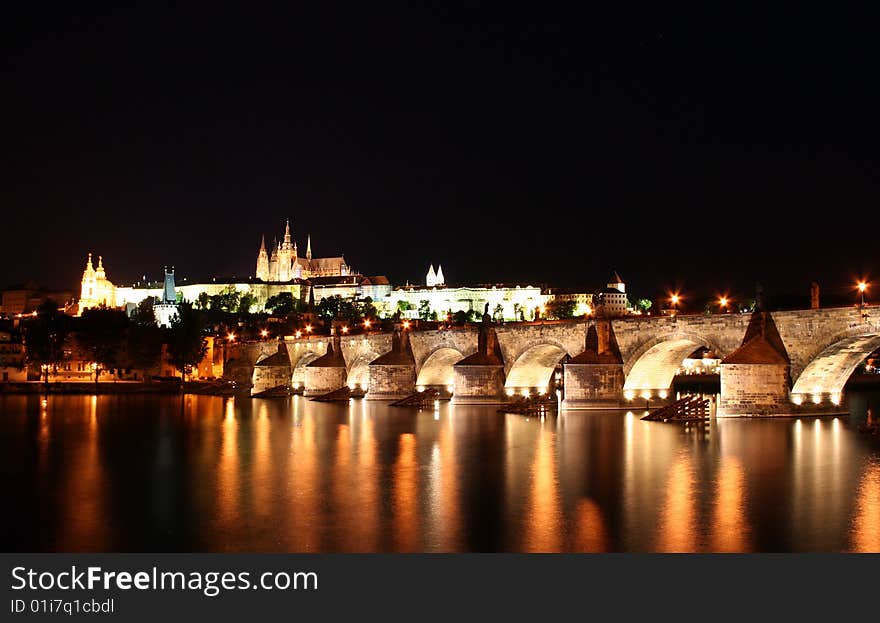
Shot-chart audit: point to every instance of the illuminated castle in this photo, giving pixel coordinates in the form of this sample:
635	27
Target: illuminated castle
285	264
97	291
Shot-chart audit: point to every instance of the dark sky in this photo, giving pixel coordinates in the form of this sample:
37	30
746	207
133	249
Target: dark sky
705	148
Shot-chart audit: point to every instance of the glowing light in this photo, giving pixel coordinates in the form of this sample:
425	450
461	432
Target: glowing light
525	392
420	388
629	394
797	399
230	337
345	329
509	391
663	393
723	301
298	334
366	324
44	403
450	388
861	285
646	395
835	399
406	324
589	310
264	333
351	386
543	309
308	328
817	398
674	298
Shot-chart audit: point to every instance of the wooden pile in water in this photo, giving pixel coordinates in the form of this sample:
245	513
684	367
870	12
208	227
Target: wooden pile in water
419	399
529	405
343	394
687	408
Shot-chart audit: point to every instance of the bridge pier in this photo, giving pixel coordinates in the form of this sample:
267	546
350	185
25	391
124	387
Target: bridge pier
594	379
327	372
755	378
479	379
393	375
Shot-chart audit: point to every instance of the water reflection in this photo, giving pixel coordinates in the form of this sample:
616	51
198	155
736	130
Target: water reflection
146	473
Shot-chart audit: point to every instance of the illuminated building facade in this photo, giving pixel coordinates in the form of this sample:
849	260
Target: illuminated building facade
285	264
96	289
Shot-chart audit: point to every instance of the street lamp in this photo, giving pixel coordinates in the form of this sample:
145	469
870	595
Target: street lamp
674	299
862	286
264	333
230	337
344	328
722	302
406	324
366	323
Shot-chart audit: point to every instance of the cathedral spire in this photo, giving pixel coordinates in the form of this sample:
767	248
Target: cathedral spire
440	279
431	278
263	243
286	244
309	248
89	267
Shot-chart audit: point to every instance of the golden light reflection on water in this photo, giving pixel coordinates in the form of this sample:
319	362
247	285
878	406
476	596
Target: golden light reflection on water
730	530
228	489
543	525
865	536
293	475
677	529
406	503
589	533
84	510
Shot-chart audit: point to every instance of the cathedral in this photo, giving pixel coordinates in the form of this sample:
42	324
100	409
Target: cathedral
285	264
97	290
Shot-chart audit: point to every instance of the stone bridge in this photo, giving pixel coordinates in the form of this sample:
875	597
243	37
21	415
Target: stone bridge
772	363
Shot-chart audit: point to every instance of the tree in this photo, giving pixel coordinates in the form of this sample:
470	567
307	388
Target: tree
460	317
101	334
403	306
143	346
44	337
282	304
560	309
644	304
202	300
227	300
245	303
517	311
424	309
186	340
143	314
498	313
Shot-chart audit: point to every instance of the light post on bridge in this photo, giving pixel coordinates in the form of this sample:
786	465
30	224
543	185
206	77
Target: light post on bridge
862	287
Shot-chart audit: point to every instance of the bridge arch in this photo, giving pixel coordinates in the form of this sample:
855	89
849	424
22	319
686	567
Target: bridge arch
437	368
359	370
534	367
828	371
298	372
653	365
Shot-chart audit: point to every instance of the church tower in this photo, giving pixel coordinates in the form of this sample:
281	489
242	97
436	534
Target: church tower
440	281
273	262
431	278
263	261
285	255
87	294
309	248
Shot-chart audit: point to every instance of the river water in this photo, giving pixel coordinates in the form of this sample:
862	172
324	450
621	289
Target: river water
204	473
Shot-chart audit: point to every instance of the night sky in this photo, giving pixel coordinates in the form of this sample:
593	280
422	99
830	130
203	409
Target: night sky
699	149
